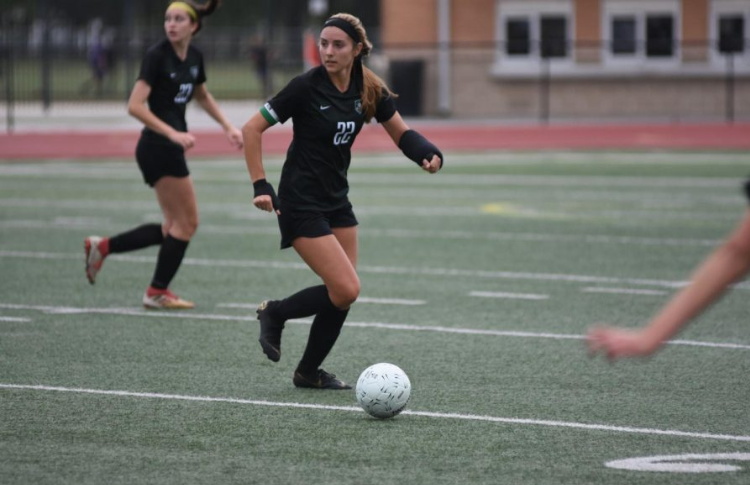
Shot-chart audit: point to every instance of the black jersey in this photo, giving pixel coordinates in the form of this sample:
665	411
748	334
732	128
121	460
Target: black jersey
172	82
326	122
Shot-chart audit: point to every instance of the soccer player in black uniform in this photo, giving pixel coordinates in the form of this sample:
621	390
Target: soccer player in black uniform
328	104
172	73
727	264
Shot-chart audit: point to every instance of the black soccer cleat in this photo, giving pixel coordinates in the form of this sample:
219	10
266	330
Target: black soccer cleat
319	380
270	331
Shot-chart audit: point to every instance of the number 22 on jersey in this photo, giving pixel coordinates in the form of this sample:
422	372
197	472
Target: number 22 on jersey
344	132
184	94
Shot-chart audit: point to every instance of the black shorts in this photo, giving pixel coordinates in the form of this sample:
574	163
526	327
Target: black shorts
295	223
157	160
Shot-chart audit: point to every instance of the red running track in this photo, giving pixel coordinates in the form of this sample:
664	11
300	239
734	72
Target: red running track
450	138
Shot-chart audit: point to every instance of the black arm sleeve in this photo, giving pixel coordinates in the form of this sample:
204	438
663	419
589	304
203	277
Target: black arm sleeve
262	187
418	148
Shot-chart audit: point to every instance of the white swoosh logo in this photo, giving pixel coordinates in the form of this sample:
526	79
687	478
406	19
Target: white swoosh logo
323	108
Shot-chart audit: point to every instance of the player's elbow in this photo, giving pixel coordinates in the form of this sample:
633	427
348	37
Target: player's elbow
133	109
247	129
250	132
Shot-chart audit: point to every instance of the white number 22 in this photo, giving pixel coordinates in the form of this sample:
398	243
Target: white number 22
184	94
344	133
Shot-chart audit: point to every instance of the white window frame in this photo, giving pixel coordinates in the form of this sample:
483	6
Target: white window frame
640	11
623	66
533	11
720	8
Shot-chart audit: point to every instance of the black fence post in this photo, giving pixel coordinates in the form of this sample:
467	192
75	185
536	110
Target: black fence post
9	80
268	44
730	88
46	57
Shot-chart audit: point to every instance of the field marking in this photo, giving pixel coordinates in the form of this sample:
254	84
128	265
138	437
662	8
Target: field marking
361	299
15	319
644	199
507	295
468	158
54	310
467	417
623	291
248	263
106	224
512	275
687	463
390	301
55	172
241	306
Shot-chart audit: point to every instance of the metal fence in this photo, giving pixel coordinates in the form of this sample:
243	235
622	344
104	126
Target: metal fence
481	84
76	70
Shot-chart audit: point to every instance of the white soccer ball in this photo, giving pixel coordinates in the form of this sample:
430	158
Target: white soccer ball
383	390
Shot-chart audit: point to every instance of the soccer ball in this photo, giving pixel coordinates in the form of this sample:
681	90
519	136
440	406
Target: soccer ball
383	390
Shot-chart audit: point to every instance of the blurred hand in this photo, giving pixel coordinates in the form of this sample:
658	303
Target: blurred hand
235	137
433	165
616	342
185	140
263	202
265	197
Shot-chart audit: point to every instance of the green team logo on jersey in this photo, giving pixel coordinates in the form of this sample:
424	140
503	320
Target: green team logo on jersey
358	106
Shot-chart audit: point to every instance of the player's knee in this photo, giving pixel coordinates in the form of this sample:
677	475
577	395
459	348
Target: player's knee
166	226
191	225
185	228
346	294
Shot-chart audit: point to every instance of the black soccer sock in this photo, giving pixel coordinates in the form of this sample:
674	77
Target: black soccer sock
304	303
138	238
170	257
324	332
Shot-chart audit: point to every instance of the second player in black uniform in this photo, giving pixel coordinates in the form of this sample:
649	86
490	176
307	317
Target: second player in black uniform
172	74
328	104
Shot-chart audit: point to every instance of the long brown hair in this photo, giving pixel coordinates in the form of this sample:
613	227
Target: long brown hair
202	9
373	86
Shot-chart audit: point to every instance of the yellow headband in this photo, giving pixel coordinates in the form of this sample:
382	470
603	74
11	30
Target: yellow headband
186	7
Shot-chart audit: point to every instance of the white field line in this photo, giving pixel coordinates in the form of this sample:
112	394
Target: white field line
476	211
54	310
510	275
241	306
426	414
641	199
496	180
361	299
55	172
567	157
512	296
102	224
15	319
623	291
390	301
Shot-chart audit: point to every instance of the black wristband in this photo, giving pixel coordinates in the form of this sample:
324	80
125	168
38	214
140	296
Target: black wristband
262	187
417	148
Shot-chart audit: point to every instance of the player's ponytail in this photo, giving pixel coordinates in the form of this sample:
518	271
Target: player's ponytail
208	8
200	10
373	87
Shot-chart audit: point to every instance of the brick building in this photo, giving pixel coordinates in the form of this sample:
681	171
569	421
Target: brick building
676	59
